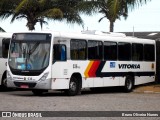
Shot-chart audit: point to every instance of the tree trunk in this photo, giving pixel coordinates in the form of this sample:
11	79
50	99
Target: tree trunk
30	26
111	26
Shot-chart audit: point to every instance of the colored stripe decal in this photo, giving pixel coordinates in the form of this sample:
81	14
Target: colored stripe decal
88	68
94	69
98	72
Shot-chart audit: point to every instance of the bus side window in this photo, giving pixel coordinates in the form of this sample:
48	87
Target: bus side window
59	52
5	47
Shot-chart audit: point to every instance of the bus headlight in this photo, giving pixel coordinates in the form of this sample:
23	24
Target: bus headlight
44	77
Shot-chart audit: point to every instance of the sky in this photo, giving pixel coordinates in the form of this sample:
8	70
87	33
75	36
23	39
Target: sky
142	19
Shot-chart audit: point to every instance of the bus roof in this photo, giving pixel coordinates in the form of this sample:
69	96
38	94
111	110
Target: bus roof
5	35
94	35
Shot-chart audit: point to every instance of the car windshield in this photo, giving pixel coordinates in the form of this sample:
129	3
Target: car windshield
28	56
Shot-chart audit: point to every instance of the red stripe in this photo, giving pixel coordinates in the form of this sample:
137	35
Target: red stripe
93	69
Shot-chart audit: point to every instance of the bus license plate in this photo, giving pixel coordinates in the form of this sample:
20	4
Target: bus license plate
24	86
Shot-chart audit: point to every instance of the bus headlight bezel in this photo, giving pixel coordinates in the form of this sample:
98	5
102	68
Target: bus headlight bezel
43	78
9	77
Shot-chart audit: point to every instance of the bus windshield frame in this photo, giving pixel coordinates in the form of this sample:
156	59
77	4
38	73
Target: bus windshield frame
29	53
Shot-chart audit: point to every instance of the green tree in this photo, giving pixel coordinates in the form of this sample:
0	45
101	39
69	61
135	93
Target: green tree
114	9
70	9
35	11
40	10
7	8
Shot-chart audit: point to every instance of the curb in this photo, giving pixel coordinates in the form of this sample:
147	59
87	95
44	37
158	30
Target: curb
148	89
147	92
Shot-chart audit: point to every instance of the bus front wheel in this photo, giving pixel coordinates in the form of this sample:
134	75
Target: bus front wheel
4	83
129	84
73	87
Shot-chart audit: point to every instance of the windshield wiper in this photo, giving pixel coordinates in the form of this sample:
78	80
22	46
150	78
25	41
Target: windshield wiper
33	48
24	52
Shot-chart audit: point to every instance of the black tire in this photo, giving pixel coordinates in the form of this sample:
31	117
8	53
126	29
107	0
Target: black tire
4	84
38	92
94	89
73	87
129	84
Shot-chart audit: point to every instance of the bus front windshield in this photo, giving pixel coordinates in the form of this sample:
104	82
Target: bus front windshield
28	56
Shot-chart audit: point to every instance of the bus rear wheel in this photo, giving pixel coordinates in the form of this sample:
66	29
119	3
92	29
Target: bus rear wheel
73	87
129	84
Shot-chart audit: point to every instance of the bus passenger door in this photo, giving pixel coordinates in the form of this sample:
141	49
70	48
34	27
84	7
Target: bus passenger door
59	67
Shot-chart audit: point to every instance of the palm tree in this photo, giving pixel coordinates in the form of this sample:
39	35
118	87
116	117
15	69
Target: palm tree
38	10
114	9
7	8
70	10
35	11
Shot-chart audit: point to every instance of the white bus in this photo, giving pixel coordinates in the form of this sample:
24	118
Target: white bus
74	61
4	46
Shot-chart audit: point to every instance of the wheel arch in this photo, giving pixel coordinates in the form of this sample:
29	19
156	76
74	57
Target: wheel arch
4	76
132	75
79	78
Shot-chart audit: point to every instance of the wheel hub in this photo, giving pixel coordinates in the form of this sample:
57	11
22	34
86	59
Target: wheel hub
73	86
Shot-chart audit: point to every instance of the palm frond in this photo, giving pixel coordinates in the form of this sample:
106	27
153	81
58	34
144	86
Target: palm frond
101	18
54	13
2	30
41	21
21	5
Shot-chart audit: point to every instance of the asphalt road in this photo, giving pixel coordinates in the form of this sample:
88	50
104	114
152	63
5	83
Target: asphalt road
109	100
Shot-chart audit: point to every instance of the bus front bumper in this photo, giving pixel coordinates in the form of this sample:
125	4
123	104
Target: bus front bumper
46	84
